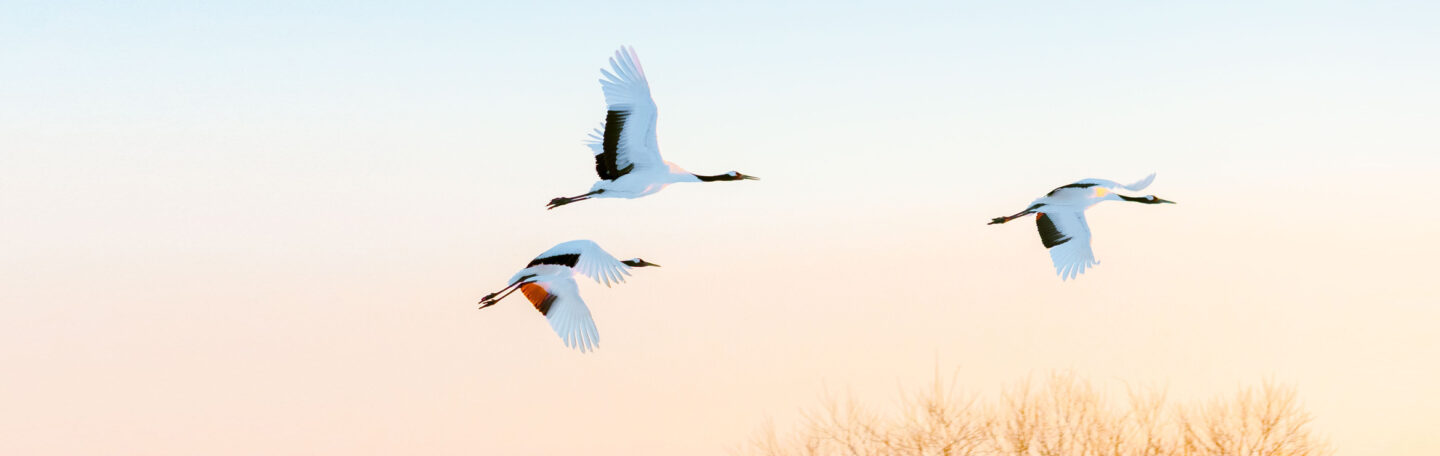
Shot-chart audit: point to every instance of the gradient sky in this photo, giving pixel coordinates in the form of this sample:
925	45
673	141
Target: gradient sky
261	228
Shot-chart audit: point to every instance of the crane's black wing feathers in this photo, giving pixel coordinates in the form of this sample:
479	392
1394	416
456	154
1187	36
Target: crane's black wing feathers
1075	185
607	161
568	260
1049	235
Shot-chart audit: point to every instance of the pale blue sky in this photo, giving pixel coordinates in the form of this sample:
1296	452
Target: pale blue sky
265	224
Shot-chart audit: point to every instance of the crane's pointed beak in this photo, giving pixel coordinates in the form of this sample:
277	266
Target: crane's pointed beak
647	263
1158	200
753	178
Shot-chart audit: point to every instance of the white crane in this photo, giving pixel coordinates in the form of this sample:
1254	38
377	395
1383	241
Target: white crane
627	158
549	283
1060	216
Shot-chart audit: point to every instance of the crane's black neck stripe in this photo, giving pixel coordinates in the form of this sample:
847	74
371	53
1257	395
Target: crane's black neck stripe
567	260
717	177
1049	235
606	162
1082	185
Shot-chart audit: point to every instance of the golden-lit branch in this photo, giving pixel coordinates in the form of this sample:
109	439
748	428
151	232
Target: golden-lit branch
1064	416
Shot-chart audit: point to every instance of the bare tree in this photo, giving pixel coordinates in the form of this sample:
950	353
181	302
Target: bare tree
1062	416
1268	422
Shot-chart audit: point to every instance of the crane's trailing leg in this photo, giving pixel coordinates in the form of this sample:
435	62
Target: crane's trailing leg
998	220
561	201
490	299
1027	211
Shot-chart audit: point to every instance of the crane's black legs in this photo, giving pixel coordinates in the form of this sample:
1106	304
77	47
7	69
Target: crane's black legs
490	299
1010	217
561	201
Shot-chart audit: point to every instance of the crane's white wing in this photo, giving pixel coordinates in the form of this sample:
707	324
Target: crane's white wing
559	301
1067	235
1137	186
586	257
628	138
597	264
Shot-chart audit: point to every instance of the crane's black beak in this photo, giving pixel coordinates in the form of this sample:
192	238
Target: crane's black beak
647	263
753	178
1158	200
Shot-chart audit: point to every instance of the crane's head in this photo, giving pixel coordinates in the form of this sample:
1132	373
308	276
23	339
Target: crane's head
637	263
1147	199
730	176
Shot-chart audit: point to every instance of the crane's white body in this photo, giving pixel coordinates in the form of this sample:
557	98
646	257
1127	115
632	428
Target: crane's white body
1068	234
628	91
627	154
1081	198
642	181
567	313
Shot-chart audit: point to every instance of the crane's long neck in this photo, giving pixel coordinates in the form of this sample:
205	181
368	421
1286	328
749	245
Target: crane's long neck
677	174
715	178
